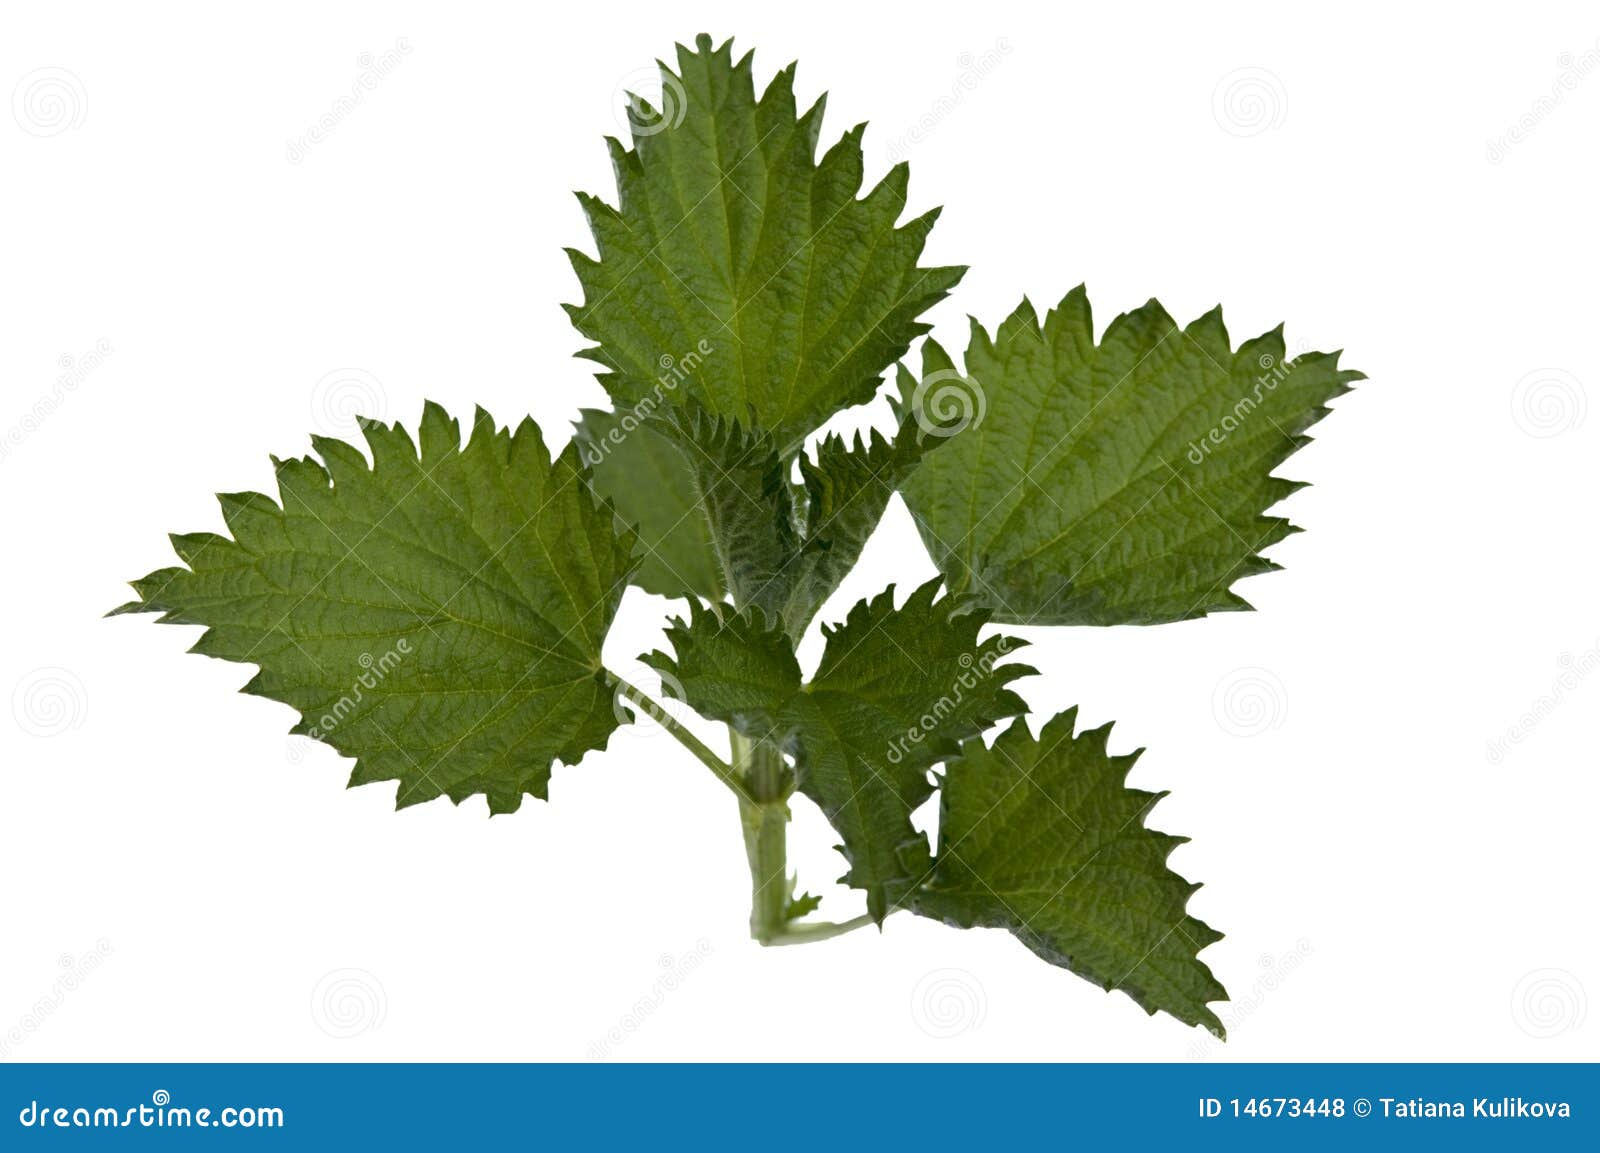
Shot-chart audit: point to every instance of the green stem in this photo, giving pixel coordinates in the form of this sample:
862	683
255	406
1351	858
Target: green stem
764	816
725	773
758	778
806	932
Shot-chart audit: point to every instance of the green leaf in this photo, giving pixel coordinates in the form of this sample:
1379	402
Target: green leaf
735	666
1119	483
739	524
798	907
729	231
740	274
848	487
633	466
437	615
1044	838
743	497
895	693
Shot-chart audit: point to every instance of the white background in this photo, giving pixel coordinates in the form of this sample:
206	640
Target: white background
185	881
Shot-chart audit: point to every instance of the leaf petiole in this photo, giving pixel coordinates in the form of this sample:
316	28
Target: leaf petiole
807	932
652	709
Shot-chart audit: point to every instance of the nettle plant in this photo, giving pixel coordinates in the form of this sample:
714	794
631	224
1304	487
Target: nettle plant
743	294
